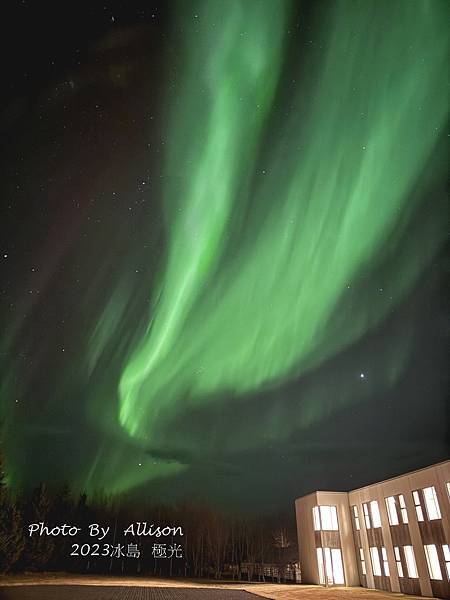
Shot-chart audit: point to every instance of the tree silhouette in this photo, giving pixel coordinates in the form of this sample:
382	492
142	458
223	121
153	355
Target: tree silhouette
11	533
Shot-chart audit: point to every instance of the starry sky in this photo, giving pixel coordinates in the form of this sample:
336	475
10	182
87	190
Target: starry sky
223	246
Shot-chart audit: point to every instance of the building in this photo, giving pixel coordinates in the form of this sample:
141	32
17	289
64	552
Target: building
393	535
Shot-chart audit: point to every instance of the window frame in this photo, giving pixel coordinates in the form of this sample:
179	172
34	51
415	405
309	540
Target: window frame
431	503
385	562
356	517
362	560
398	562
434	567
375	560
410	560
403	509
391	507
375	514
366	514
446	552
319	516
418	506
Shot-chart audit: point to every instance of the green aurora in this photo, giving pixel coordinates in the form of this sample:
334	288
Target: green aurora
280	203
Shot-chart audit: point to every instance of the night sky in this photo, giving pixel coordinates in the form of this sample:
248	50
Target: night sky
222	246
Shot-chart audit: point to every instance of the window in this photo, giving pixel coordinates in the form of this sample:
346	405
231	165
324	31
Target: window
385	561
320	565
410	562
396	505
366	515
329	561
363	561
398	561
446	551
376	518
338	569
328	517
316	518
376	565
434	567
356	517
325	518
403	510
431	503
392	510
418	505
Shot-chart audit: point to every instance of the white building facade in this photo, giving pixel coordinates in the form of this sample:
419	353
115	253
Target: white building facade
393	535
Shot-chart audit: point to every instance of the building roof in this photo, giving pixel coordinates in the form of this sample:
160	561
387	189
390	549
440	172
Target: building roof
444	462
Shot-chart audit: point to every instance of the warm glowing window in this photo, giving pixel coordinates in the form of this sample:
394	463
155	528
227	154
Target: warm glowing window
398	561
376	518
418	505
410	562
325	518
376	565
356	517
329	562
321	565
316	518
338	569
396	506
446	551
363	561
434	567
431	503
328	517
366	515
385	561
392	510
403	510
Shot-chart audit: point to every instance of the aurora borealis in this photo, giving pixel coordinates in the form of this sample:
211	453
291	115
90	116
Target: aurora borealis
246	290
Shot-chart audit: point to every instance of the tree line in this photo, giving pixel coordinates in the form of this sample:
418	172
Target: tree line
214	544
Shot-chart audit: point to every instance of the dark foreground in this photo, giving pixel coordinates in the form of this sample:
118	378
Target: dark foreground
93	592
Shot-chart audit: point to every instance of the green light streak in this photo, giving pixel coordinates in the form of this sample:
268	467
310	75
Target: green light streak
335	189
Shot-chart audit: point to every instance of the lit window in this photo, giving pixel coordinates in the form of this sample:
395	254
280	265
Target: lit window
376	518
432	504
410	562
434	567
385	561
403	510
320	565
316	518
329	562
363	561
356	517
366	515
328	518
325	518
418	506
392	510
338	569
376	565
446	551
398	561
